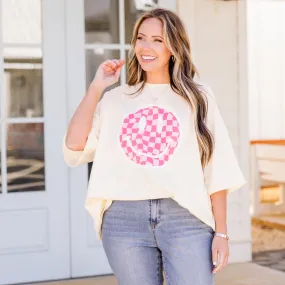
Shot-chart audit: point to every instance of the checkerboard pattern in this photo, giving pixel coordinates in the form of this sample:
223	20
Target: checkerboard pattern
150	136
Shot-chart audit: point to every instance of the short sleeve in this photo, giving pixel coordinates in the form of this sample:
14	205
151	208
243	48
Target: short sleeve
74	158
223	171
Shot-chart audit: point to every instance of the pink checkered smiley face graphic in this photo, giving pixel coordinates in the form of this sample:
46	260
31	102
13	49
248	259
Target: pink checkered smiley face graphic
150	136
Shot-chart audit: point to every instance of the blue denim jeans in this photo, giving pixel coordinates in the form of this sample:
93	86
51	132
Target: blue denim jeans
143	238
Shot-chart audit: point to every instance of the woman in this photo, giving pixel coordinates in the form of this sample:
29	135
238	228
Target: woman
163	161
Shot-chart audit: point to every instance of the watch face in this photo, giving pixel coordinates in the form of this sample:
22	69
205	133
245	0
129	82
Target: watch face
222	235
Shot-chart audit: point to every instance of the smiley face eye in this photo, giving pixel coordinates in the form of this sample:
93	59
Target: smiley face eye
142	124
159	124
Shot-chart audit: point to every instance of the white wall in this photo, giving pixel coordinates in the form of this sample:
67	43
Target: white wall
266	29
217	31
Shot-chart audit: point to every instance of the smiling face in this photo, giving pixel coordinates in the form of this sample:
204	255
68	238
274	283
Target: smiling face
150	49
150	136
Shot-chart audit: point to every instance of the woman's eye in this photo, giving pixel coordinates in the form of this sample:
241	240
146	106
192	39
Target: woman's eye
139	38
159	125
158	40
142	124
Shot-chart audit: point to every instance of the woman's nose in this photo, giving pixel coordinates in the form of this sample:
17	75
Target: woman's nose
146	45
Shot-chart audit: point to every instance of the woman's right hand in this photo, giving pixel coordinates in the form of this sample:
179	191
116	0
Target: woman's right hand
108	73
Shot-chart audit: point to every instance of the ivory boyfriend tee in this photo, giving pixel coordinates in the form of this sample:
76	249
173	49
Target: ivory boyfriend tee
145	147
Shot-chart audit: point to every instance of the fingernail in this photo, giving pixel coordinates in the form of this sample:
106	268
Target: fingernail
214	263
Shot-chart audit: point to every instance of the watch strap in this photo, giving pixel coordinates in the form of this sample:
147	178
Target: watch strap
222	235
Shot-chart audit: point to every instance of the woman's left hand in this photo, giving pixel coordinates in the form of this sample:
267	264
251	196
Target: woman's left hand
220	253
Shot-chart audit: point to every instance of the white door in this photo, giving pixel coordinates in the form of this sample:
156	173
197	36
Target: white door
34	216
96	31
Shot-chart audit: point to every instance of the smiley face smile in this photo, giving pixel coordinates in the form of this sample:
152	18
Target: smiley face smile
140	153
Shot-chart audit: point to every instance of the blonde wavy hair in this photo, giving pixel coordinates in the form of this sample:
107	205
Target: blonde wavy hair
181	71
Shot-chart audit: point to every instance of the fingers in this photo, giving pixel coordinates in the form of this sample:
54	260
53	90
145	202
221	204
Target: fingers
119	62
113	65
109	66
221	263
117	73
226	261
215	257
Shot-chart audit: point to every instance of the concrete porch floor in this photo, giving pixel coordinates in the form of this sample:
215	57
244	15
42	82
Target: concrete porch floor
233	274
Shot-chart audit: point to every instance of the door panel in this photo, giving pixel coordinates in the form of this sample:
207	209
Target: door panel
34	217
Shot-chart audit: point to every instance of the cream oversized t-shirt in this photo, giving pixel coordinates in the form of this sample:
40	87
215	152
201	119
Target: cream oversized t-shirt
145	147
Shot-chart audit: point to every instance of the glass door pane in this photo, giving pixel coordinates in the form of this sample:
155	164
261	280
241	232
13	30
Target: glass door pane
22	103
23	87
101	21
132	11
25	157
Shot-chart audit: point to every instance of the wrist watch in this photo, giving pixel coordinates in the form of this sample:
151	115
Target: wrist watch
222	235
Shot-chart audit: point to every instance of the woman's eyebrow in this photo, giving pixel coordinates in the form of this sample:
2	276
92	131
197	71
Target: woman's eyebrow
152	36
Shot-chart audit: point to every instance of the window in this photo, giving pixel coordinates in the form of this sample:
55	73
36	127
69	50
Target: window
22	122
108	30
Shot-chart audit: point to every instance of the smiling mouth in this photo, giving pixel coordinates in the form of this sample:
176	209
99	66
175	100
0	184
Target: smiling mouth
147	58
139	153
